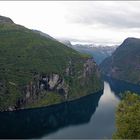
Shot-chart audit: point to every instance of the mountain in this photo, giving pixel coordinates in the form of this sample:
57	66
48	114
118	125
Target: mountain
37	71
66	42
124	64
5	20
44	34
98	52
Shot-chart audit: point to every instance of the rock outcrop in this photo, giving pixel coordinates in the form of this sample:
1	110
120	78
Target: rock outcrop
40	86
43	84
5	20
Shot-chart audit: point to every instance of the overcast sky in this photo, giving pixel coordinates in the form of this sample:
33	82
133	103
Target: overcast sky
101	22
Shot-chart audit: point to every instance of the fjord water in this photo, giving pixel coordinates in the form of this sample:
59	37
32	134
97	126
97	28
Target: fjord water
89	117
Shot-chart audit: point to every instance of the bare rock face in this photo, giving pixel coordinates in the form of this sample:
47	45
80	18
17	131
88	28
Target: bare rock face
89	67
53	80
5	20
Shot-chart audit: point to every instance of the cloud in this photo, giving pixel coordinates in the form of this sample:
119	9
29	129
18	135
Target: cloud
86	21
107	14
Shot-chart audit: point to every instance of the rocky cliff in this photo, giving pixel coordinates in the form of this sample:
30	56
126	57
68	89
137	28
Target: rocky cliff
37	71
5	20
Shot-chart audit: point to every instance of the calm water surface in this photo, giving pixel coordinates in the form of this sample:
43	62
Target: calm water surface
101	123
89	117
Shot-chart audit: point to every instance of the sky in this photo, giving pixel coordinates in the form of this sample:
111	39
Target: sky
98	22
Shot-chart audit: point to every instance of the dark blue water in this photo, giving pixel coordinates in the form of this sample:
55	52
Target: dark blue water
89	117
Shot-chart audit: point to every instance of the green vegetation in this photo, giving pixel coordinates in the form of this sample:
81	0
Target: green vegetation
25	54
49	98
128	117
124	64
24	51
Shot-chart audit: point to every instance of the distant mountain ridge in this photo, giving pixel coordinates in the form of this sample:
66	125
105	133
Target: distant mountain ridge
99	53
124	64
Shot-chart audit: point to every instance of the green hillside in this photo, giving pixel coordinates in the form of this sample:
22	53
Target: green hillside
124	64
38	71
128	117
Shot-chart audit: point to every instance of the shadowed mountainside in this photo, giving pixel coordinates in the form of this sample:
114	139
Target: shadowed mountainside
124	64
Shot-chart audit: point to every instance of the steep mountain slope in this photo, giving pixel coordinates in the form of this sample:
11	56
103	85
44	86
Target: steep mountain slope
124	64
38	71
44	34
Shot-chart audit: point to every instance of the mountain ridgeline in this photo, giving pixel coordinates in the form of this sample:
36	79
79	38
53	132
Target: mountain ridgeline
37	71
124	64
98	52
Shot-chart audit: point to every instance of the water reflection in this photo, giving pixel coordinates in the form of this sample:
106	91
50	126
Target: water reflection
89	117
36	123
101	124
119	87
103	119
